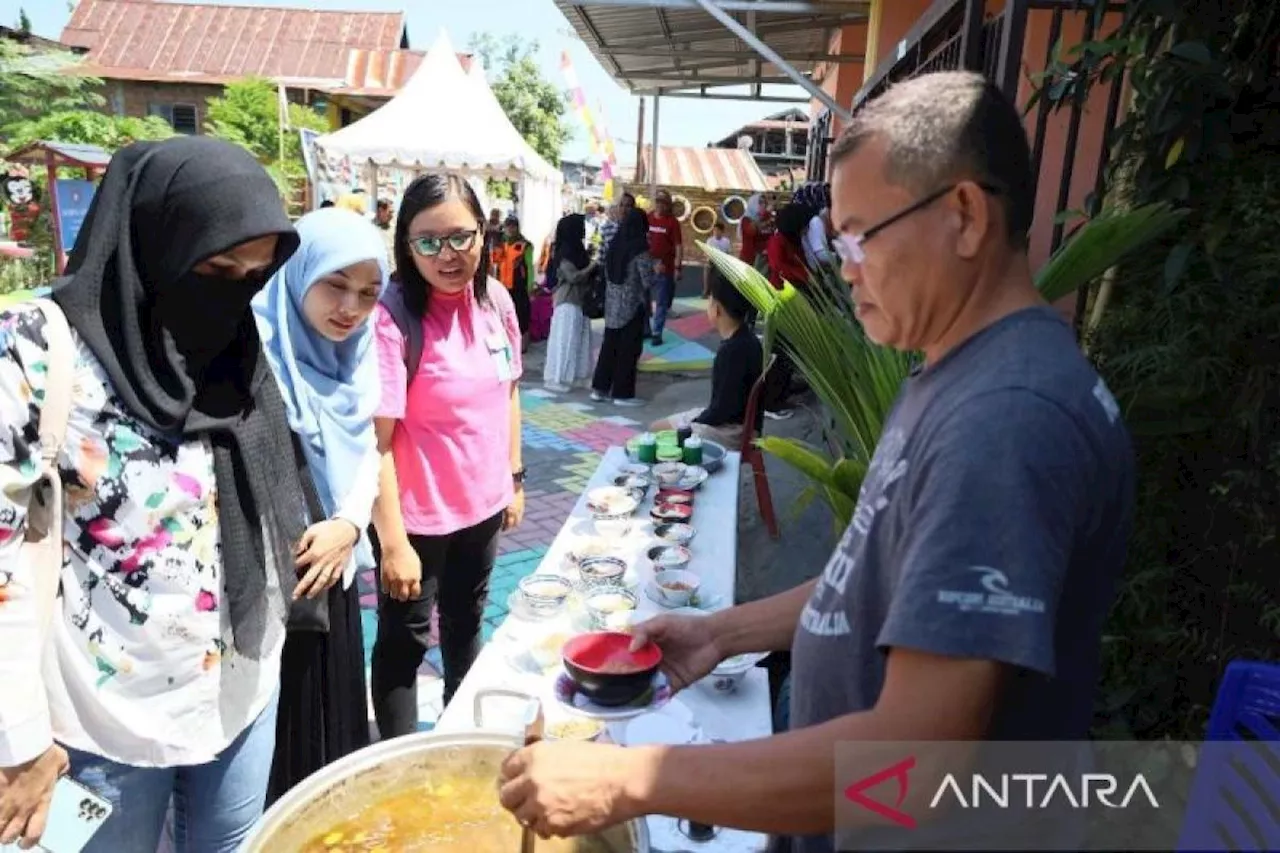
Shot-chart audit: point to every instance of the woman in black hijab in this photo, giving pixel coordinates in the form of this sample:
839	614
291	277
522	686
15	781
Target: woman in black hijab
629	269
185	499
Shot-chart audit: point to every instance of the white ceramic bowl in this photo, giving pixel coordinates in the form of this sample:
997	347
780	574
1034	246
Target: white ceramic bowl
665	558
610	606
676	587
574	728
602	571
544	593
730	672
612	526
612	500
669	473
674	533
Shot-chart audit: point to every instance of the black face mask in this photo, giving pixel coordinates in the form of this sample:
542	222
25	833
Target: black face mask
204	313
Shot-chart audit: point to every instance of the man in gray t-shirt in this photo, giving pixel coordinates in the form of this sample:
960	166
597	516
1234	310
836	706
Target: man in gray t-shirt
991	525
966	599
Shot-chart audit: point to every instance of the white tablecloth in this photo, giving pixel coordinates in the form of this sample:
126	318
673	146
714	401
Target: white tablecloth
742	715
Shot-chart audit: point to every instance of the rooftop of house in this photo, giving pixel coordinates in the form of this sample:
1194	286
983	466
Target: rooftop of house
794	120
703	168
363	53
35	42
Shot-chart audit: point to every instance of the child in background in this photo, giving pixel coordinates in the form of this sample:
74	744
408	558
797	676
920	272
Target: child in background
718	241
737	367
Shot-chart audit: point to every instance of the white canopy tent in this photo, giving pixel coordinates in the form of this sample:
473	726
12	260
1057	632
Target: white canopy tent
448	120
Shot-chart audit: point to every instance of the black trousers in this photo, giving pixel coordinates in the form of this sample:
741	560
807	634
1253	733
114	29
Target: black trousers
455	576
619	360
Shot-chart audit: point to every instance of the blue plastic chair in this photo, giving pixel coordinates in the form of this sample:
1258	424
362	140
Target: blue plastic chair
1235	795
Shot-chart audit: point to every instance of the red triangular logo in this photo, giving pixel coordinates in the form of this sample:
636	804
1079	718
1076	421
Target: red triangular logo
855	793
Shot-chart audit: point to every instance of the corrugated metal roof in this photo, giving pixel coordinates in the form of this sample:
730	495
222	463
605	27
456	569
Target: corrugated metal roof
670	46
703	168
156	40
82	155
384	72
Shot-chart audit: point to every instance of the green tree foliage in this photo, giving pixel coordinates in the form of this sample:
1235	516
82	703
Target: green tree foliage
248	114
90	128
536	107
24	23
33	84
1188	344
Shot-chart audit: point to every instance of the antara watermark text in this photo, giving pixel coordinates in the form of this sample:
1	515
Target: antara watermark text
1043	790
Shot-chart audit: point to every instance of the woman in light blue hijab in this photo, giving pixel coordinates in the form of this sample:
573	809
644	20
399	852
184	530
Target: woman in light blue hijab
313	318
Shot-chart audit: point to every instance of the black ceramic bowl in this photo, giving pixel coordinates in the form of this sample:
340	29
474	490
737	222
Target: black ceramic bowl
605	669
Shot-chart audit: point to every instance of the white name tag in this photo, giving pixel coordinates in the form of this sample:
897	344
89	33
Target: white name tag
500	352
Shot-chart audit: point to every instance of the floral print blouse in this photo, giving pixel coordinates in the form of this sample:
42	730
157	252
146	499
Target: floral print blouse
140	667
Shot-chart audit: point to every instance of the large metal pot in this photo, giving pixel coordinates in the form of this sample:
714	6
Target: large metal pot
378	771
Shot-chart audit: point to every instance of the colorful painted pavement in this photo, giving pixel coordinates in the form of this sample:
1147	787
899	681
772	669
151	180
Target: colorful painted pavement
688	342
564	438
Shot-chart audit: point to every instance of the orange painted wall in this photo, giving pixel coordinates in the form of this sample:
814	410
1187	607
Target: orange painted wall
896	18
1091	138
841	80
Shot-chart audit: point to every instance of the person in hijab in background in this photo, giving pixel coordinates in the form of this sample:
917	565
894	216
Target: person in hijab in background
569	347
313	317
752	234
184	502
816	196
629	271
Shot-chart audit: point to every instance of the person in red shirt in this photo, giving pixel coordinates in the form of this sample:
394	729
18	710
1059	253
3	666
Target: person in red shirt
785	253
667	248
785	249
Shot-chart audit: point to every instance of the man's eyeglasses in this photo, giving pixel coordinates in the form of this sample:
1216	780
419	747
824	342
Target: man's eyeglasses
429	247
849	246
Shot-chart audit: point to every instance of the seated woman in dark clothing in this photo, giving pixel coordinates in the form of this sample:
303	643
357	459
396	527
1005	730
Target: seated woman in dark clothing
738	363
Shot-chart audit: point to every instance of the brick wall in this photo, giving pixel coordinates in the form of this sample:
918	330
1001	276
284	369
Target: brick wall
135	98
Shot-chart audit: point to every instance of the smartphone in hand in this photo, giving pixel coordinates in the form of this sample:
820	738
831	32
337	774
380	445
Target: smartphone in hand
75	814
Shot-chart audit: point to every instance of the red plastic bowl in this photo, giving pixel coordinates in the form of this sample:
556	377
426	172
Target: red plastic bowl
605	669
609	653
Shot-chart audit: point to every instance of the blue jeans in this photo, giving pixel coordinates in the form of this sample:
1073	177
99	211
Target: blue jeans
214	805
664	291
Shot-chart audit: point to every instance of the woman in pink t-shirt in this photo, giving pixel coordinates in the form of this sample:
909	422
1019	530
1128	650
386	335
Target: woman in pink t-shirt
449	431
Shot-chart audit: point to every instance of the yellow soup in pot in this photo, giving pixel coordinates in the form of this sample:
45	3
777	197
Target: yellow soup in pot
461	814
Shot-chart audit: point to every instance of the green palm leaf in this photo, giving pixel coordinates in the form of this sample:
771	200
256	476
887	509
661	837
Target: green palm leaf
858	381
1102	243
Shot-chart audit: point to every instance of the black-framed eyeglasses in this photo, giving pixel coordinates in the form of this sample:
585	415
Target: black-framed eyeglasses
429	246
849	246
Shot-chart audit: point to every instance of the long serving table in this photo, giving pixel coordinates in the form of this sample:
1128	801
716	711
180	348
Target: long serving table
710	716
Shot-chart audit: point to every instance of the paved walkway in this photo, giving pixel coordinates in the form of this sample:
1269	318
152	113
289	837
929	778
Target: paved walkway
564	438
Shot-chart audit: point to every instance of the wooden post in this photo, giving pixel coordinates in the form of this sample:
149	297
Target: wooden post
639	143
653	153
59	256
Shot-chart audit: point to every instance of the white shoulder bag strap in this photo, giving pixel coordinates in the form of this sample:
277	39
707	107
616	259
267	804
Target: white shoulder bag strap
42	548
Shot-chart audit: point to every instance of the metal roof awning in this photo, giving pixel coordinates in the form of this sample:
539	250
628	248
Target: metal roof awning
692	48
64	153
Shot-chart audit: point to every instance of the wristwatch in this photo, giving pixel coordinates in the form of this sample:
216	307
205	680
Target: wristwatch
518	476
